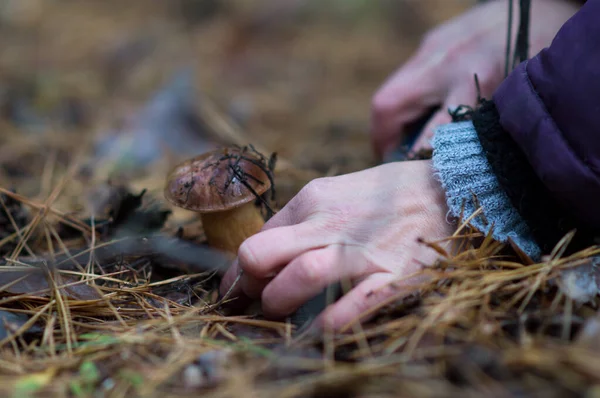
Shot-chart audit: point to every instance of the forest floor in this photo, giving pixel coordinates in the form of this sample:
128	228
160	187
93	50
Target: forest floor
99	99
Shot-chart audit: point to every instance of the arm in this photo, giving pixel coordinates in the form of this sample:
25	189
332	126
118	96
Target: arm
365	227
538	141
441	70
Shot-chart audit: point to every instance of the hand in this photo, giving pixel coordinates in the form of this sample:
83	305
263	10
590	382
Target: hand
362	226
442	70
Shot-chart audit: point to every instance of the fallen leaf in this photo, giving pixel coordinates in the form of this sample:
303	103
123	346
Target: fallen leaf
11	322
35	283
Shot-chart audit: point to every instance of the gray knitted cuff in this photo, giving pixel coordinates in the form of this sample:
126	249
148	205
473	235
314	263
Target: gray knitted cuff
467	178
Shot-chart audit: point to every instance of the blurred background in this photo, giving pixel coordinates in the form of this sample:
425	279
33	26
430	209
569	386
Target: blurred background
129	87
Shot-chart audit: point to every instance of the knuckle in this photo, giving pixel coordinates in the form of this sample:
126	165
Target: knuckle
366	299
383	105
316	188
308	191
429	40
311	270
309	199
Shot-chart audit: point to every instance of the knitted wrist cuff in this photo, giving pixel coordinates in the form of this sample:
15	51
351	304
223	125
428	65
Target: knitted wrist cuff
470	183
548	221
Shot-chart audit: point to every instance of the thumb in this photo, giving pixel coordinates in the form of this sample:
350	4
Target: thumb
402	99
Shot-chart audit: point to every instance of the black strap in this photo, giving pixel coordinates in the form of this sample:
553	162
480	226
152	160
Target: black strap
522	46
521	52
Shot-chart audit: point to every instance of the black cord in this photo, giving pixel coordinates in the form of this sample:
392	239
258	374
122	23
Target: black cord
522	45
521	51
508	39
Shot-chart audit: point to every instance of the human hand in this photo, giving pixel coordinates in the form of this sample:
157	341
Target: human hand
443	68
362	226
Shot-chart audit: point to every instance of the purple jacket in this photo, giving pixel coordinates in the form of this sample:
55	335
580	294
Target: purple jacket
531	155
550	106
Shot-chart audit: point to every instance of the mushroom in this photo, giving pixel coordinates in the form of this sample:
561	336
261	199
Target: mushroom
223	186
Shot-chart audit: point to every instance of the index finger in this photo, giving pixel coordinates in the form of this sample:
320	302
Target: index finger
405	96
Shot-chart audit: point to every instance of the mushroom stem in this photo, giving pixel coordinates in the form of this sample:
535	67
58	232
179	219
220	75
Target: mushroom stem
226	230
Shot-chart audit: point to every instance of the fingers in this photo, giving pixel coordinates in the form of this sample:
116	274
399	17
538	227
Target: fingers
253	287
387	124
463	94
285	236
360	304
248	287
264	254
307	275
228	279
296	210
403	98
241	299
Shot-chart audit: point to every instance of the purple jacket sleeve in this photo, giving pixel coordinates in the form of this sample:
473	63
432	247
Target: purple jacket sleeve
550	106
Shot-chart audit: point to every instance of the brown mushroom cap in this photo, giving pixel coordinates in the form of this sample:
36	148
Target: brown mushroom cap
207	183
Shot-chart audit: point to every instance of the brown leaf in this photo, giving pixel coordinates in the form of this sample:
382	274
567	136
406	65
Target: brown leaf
35	282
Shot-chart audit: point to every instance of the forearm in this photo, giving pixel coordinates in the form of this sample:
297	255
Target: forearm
537	146
482	169
547	107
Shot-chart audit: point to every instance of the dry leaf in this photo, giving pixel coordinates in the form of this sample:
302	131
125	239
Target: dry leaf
35	282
